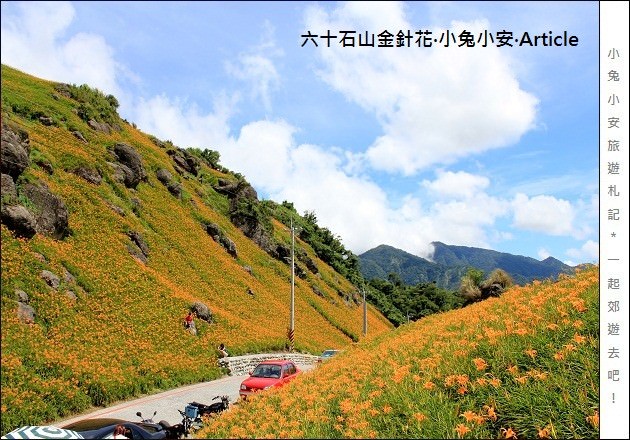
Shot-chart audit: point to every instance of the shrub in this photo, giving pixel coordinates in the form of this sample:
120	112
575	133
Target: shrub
500	277
94	104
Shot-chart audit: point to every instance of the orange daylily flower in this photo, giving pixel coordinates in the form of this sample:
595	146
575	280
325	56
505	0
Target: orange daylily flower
492	415
579	338
531	353
419	417
594	419
468	415
508	433
480	363
462	430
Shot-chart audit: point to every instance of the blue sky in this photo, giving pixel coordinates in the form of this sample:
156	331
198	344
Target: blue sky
488	147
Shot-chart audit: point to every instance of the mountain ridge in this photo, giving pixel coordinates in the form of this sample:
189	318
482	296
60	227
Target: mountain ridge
450	263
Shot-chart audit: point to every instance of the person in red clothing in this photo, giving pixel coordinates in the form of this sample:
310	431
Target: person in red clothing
189	320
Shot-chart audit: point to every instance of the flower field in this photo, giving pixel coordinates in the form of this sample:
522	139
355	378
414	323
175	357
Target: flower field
121	335
521	366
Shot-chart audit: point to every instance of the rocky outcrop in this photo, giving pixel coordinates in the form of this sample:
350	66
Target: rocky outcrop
236	190
308	261
80	136
166	178
21	296
129	170
48	215
19	220
51	211
89	174
45	165
26	313
184	161
103	127
47	121
15	149
138	247
202	311
9	192
219	236
51	279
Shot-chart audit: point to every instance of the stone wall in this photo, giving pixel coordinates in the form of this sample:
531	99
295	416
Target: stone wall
243	365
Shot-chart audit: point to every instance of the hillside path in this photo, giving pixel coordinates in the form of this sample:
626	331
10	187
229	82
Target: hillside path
168	402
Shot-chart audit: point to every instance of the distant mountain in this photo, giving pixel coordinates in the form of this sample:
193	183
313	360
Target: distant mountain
450	263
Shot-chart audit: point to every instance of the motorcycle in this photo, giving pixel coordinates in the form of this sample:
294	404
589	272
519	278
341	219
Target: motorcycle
213	408
192	416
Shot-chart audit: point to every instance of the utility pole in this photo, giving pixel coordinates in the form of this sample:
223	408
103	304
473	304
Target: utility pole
364	313
292	320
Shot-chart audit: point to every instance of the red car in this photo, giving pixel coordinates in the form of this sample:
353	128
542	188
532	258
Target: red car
268	374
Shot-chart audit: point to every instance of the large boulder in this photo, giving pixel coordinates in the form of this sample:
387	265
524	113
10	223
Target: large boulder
8	190
19	220
219	236
15	148
80	136
254	230
282	253
202	311
229	246
21	296
26	313
213	229
131	165
176	189
164	176
140	245
51	279
89	174
52	214
184	161
236	190
100	126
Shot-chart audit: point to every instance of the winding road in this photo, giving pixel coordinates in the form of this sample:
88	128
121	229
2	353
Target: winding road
168	402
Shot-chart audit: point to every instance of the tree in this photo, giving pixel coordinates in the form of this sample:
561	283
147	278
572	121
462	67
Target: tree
211	157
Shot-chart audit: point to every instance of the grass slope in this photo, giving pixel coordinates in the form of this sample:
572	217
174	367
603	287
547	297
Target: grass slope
123	335
524	365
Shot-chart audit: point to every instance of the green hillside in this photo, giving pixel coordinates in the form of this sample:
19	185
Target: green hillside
525	365
110	236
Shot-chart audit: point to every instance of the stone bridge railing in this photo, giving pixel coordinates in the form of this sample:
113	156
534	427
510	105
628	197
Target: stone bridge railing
242	365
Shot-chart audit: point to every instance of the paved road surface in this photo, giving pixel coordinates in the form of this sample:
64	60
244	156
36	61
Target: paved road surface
167	403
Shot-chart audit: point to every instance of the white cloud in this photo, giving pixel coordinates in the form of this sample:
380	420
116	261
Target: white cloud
260	72
315	179
588	253
257	68
544	214
543	253
183	122
33	41
456	184
435	105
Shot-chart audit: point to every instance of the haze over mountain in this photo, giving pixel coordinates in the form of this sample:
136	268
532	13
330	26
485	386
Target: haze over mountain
450	263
